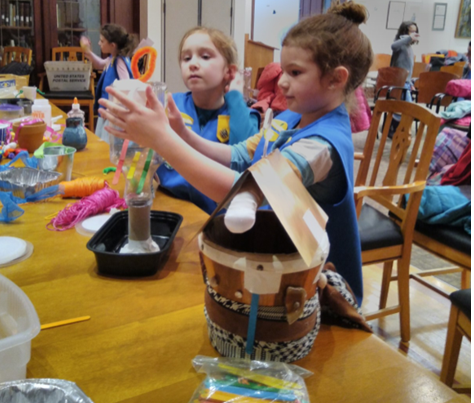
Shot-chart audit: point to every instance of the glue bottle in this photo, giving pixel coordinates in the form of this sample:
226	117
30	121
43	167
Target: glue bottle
76	112
41	109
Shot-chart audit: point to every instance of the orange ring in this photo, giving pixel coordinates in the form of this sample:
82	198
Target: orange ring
147	50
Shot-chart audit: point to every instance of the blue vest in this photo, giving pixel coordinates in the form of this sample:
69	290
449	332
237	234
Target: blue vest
107	78
217	130
342	226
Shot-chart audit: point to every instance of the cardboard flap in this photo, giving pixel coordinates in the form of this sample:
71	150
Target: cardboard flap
303	219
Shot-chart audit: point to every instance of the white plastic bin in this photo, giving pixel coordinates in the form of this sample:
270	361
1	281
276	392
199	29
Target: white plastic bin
68	76
19	324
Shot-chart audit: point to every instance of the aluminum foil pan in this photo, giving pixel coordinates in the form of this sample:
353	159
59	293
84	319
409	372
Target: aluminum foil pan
24	182
42	390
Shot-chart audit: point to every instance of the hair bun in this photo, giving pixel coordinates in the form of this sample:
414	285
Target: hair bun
357	13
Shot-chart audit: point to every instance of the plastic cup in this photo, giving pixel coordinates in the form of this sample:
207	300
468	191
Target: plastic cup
29	92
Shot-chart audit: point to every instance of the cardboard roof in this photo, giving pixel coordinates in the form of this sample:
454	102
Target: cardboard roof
303	219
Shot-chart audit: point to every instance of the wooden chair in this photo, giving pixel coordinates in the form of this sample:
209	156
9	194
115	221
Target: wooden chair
65	98
459	325
453	69
431	83
380	60
389	84
448	243
16	54
418	68
388	237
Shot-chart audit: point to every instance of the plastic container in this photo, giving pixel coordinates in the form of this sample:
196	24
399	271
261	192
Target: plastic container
68	76
19	324
109	239
41	109
76	112
10	112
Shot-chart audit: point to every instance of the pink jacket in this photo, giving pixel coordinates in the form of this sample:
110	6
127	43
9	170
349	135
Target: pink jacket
269	94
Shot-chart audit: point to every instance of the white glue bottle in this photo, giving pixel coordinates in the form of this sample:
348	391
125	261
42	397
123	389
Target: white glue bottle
76	111
41	109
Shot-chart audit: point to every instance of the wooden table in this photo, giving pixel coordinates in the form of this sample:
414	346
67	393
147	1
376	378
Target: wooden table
144	332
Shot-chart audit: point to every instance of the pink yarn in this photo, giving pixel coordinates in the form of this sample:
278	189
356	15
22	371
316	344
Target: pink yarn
100	201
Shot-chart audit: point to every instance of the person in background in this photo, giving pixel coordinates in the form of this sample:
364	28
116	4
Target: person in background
403	57
119	45
324	59
214	107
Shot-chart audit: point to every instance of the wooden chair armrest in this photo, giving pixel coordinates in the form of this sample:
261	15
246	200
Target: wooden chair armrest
362	191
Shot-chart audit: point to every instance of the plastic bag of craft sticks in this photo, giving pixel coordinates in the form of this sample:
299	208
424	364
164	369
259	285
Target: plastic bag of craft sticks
244	381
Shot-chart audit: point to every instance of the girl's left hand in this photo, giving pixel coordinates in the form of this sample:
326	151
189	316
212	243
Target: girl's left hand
143	125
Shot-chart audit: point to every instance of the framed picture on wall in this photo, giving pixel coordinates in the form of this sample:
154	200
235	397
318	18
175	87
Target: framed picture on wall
396	10
463	27
439	16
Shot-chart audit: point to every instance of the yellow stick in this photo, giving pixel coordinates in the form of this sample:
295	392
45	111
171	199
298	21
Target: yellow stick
136	157
64	322
263	379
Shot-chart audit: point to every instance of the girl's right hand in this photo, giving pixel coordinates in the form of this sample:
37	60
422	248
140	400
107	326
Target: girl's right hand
85	43
147	126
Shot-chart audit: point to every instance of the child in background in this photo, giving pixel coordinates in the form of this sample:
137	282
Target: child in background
115	41
403	57
214	107
324	59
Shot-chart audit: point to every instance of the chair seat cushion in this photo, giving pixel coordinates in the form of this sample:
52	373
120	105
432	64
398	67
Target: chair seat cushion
69	94
377	230
454	237
462	299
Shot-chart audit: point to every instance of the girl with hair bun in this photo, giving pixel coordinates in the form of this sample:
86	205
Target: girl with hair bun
115	41
324	58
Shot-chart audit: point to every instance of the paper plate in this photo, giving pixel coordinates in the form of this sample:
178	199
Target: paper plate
92	224
11	248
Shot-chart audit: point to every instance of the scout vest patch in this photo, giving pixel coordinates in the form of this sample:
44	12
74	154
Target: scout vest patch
223	128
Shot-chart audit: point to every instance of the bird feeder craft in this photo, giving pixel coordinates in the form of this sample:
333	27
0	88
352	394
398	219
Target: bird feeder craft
138	165
261	298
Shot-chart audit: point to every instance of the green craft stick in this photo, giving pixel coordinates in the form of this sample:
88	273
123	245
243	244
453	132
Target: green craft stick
145	171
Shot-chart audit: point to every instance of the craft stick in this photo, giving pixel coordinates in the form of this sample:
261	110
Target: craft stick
263	379
64	322
123	153
285	396
252	324
145	171
245	383
267	125
231	397
131	172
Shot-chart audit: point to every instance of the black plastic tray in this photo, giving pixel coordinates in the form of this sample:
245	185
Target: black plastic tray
109	239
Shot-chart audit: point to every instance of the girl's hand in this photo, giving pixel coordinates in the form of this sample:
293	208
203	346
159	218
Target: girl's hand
415	37
85	43
146	126
175	118
236	83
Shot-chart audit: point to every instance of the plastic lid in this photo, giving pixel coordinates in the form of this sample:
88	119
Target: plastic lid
41	102
75	104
